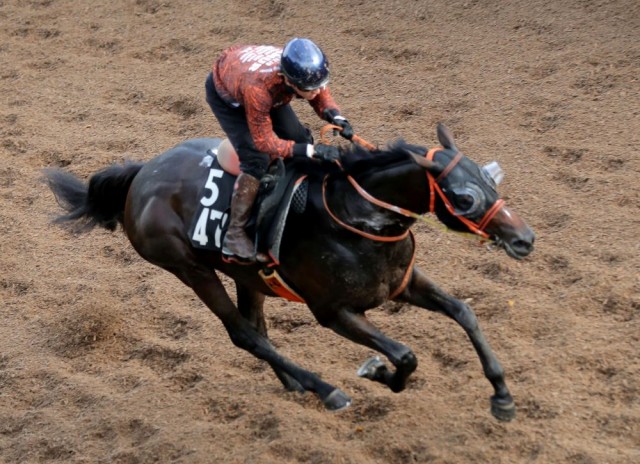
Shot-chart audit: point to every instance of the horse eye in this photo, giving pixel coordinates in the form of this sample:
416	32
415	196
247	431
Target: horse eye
467	200
464	201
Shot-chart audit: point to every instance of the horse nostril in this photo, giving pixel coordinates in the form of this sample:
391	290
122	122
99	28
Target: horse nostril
523	245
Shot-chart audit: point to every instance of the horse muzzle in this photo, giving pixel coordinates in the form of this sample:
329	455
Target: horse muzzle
517	247
510	233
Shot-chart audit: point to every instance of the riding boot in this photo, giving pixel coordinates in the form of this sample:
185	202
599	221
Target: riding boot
237	245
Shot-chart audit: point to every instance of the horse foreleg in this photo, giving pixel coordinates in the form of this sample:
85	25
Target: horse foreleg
250	305
424	293
358	329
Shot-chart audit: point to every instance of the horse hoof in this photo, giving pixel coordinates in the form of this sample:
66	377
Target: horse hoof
337	400
502	411
370	367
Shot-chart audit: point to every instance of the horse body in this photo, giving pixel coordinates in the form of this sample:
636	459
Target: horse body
157	202
342	275
345	253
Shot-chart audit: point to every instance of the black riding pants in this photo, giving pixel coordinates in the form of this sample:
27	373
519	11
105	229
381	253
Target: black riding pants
233	121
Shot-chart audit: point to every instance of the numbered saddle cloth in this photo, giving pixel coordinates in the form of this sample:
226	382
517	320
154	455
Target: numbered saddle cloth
281	191
211	218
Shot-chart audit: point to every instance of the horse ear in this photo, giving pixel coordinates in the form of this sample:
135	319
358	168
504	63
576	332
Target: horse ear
429	165
445	138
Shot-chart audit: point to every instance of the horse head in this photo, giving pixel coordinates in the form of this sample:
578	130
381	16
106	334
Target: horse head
464	197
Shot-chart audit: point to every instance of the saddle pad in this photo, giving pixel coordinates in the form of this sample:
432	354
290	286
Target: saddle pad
209	223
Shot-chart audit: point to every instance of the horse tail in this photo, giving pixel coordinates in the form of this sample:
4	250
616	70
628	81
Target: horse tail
100	203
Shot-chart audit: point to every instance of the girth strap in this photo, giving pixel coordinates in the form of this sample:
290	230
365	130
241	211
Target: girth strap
408	272
277	284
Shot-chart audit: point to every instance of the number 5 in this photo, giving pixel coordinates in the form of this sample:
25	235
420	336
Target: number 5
211	185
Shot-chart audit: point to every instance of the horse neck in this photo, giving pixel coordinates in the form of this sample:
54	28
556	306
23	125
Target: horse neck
404	186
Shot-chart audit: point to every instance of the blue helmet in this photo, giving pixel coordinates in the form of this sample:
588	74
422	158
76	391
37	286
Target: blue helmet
304	64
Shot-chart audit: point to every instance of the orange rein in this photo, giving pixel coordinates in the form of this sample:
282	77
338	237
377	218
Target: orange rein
362	192
433	187
355	139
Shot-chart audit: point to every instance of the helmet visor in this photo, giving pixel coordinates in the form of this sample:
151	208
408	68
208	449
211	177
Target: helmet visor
310	87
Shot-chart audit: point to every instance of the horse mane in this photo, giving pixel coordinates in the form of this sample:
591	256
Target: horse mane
357	160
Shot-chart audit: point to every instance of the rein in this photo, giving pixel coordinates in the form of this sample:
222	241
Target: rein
375	201
355	139
476	228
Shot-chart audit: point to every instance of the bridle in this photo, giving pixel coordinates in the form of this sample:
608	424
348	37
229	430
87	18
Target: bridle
477	228
434	186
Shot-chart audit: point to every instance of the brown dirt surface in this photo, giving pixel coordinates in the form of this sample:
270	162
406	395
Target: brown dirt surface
105	358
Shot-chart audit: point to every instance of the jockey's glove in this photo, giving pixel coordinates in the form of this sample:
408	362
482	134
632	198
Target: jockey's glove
347	130
326	152
335	118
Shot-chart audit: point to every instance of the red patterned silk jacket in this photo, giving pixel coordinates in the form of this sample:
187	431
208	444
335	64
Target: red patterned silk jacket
248	76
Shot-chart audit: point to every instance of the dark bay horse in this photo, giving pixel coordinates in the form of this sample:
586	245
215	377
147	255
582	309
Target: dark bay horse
348	251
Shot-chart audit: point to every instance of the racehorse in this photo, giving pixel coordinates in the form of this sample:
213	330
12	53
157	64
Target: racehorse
349	250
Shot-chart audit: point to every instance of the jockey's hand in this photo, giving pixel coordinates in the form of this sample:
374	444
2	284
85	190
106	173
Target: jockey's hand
347	130
326	152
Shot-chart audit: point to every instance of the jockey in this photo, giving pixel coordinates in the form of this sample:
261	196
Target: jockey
249	91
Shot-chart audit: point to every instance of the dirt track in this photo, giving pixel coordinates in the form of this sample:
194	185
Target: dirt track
105	358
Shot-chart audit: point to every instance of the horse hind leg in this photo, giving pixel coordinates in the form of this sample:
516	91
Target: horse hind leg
250	305
244	335
171	252
422	292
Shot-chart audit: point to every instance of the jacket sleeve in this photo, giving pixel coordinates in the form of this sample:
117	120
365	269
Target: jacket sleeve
324	101
257	104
